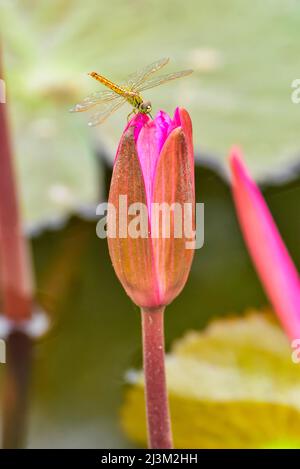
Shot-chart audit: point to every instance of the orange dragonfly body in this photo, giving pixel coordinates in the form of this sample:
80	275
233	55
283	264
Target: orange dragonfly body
117	95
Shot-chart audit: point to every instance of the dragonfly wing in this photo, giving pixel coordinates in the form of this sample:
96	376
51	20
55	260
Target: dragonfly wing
135	79
94	99
162	79
101	116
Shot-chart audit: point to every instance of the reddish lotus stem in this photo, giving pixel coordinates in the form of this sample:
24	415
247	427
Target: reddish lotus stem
19	348
16	275
157	406
16	293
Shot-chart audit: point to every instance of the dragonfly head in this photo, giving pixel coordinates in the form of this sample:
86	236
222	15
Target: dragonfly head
145	107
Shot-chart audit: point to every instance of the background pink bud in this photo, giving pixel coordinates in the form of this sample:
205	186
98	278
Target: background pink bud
154	164
266	247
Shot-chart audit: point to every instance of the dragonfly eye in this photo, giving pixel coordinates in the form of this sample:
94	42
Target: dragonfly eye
146	106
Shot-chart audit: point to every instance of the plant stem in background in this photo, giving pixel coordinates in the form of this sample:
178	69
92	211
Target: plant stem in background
16	274
16	293
17	378
157	406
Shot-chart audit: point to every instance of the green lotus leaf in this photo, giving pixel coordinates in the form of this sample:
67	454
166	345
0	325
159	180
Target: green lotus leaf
244	57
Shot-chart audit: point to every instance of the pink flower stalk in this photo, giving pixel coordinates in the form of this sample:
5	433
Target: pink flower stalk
154	165
271	259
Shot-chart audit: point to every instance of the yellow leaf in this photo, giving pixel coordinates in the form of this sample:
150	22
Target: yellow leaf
233	385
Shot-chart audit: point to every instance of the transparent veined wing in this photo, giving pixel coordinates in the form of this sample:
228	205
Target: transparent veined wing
135	79
94	99
152	82
101	116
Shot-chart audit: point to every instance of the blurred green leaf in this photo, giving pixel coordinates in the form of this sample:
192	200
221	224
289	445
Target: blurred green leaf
244	56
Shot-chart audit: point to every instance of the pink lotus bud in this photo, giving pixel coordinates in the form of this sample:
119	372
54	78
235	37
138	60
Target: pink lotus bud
149	237
271	259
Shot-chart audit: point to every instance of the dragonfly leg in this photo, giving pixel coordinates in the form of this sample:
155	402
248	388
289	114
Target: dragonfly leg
130	114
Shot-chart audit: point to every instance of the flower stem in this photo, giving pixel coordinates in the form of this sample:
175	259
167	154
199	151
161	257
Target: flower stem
16	283
16	388
16	268
157	407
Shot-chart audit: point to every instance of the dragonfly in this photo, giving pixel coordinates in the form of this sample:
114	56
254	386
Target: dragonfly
109	101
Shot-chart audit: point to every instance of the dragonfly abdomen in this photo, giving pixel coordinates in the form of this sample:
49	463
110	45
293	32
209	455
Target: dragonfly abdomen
117	89
131	96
